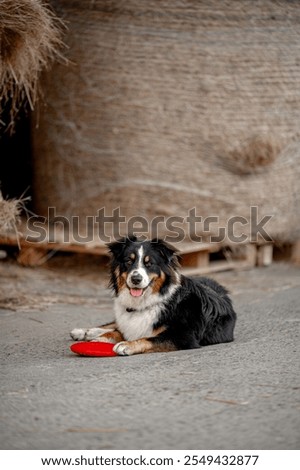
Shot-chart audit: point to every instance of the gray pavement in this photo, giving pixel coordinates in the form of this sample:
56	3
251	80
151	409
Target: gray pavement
243	395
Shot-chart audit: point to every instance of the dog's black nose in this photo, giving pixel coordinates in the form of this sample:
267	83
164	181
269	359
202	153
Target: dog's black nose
136	278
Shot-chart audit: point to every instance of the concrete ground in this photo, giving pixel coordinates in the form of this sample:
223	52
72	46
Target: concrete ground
243	395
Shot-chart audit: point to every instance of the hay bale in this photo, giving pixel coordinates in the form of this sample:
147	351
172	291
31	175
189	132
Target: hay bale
172	105
253	156
10	211
30	38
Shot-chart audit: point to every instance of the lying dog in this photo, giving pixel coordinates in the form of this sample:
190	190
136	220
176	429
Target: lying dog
156	308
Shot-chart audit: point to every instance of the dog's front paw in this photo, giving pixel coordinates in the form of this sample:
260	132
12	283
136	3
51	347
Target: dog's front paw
123	348
78	334
88	334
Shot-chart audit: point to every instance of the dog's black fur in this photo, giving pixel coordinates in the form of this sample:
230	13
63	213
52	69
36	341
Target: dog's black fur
198	313
160	309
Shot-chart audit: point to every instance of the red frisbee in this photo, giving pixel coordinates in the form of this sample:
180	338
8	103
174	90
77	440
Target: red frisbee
96	349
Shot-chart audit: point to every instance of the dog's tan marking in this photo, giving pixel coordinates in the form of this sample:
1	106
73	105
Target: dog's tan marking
159	330
116	336
143	345
121	279
132	256
147	259
157	282
109	326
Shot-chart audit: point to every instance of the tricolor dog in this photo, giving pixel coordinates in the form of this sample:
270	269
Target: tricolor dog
157	309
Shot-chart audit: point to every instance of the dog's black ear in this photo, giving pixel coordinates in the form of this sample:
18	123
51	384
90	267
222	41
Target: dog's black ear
131	239
168	252
117	247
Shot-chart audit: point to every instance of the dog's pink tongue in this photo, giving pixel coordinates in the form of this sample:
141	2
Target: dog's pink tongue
136	292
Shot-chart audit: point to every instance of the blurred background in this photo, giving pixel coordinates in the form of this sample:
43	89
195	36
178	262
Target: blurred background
154	108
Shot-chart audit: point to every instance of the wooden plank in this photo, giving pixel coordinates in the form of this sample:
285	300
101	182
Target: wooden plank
31	256
264	255
245	258
192	247
76	248
295	257
217	266
195	259
251	254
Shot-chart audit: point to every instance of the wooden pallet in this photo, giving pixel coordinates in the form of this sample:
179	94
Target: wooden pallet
295	255
196	258
35	253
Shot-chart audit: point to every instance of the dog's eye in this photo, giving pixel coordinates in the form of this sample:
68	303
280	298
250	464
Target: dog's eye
129	262
148	262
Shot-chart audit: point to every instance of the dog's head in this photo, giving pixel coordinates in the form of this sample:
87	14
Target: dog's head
142	267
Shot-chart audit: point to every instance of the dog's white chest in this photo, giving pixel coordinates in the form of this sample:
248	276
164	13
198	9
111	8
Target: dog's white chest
137	324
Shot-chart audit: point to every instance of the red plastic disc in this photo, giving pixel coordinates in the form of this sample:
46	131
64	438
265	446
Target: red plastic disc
99	349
